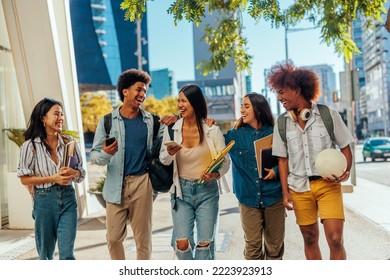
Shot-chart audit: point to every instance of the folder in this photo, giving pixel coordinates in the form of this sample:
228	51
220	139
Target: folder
69	159
216	162
266	159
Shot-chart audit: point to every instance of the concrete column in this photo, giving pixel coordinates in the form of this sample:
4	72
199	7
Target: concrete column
41	41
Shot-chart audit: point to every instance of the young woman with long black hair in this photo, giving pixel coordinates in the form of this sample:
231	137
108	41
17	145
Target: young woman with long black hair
55	205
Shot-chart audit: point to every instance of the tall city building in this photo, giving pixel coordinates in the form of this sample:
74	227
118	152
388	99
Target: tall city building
105	44
162	83
248	81
358	62
358	65
223	90
327	79
376	46
201	52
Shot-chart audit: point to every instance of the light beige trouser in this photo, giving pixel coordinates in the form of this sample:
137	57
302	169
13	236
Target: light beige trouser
263	226
136	207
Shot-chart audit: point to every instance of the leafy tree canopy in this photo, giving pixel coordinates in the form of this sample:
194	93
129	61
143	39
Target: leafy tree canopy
94	105
226	40
165	106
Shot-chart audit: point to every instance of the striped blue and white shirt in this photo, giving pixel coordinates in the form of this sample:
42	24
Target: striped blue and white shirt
38	162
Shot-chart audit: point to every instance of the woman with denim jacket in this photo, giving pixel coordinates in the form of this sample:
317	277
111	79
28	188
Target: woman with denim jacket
194	193
50	183
260	200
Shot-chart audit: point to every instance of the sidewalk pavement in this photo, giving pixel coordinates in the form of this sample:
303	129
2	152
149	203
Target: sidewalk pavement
366	231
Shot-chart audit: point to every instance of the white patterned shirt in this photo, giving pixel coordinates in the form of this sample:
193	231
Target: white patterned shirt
36	161
303	145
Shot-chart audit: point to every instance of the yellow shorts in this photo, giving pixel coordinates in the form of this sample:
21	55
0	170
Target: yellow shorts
324	199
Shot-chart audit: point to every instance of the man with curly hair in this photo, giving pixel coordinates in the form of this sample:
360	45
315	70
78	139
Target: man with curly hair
304	191
127	190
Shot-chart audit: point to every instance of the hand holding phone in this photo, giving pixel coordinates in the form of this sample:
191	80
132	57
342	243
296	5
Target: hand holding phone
109	141
171	144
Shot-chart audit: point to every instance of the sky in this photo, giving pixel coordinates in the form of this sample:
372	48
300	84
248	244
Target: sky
171	46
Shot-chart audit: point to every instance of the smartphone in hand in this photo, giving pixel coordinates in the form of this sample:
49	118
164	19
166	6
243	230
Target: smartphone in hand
171	144
109	141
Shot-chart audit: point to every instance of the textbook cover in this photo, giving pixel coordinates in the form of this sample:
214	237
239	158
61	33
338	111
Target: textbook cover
267	161
69	152
264	159
216	162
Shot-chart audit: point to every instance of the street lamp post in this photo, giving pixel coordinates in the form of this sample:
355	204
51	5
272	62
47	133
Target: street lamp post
290	30
139	47
140	41
286	31
384	97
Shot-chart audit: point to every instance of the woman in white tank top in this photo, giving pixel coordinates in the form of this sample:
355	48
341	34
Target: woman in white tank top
194	204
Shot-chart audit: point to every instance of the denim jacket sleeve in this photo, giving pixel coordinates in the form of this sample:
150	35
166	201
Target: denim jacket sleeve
97	155
114	177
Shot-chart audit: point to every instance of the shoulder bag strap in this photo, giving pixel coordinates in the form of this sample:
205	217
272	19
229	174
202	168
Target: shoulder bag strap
328	121
282	127
107	124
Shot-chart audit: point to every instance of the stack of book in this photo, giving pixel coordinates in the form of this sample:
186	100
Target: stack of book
264	157
69	158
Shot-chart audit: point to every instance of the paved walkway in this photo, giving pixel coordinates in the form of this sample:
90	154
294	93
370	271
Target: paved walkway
371	200
367	231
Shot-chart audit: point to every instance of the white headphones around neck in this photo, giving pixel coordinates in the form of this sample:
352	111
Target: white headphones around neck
304	114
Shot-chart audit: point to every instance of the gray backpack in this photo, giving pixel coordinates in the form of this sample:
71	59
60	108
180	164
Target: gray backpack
326	118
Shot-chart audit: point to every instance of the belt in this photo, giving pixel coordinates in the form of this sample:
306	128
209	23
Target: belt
314	178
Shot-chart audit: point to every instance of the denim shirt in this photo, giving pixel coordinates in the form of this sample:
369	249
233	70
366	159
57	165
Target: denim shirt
112	189
249	189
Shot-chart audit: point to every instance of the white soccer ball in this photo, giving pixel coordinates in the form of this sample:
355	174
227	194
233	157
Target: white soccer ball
330	162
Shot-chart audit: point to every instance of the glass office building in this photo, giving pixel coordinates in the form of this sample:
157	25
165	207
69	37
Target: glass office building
105	44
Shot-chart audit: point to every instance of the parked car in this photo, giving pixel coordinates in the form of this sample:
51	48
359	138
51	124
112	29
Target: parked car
376	147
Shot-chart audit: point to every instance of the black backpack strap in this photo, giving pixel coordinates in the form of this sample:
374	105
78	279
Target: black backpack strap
156	125
107	124
170	131
328	121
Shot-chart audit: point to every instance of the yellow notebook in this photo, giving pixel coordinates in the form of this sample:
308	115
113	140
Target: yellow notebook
216	162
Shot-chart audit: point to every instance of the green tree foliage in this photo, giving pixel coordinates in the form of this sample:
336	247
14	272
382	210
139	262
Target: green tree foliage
16	135
165	106
226	40
94	105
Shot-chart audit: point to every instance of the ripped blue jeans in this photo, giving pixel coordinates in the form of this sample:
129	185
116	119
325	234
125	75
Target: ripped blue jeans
199	207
